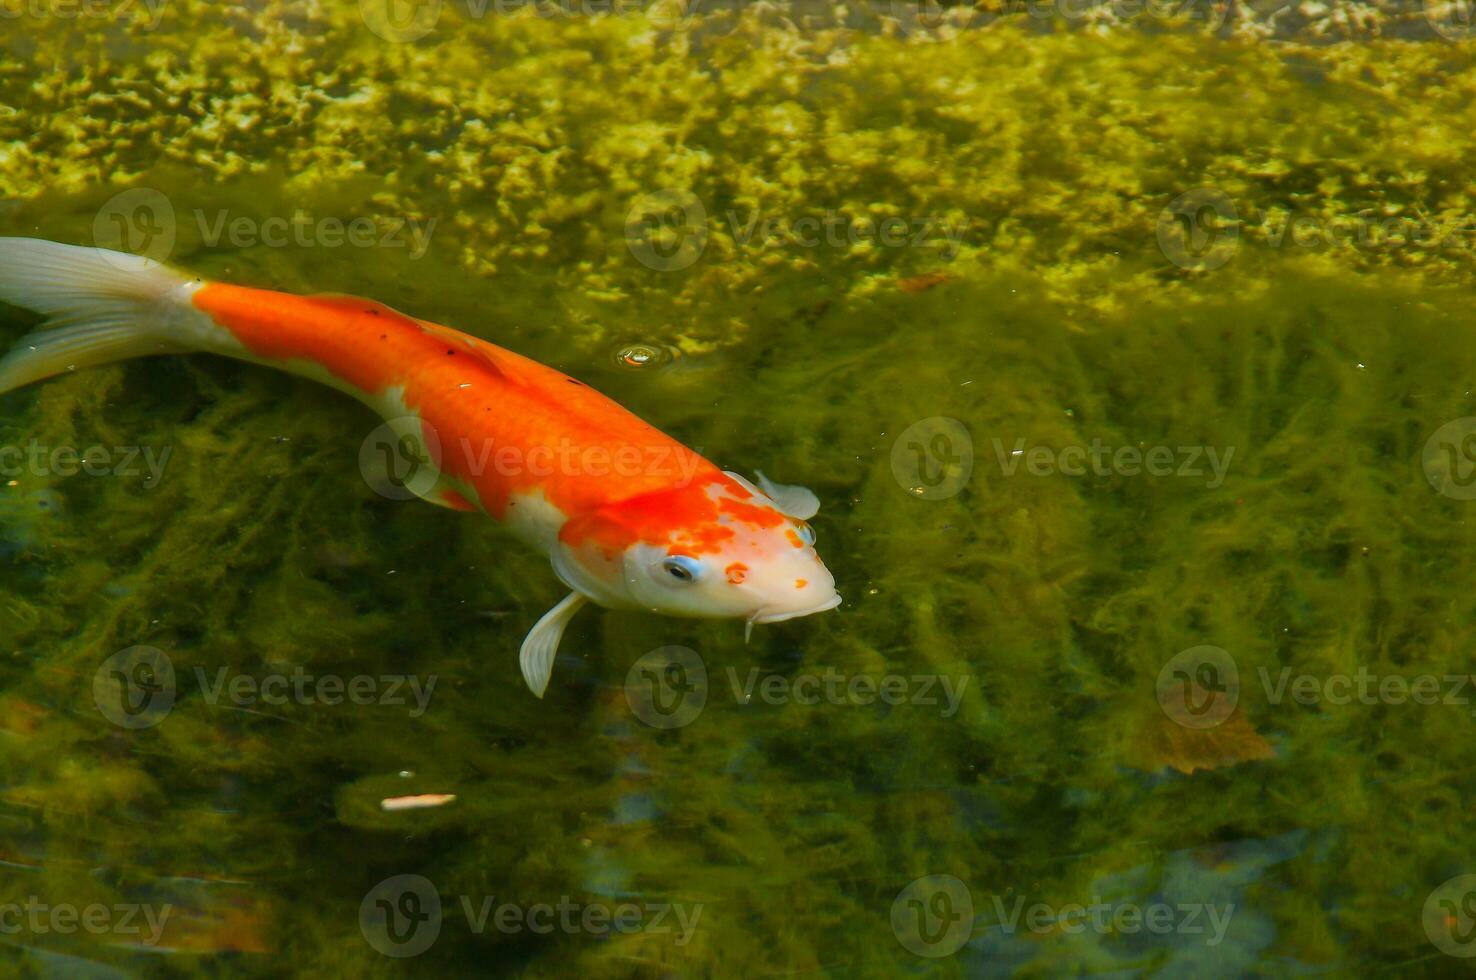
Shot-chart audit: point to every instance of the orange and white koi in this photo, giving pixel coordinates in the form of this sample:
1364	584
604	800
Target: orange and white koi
674	535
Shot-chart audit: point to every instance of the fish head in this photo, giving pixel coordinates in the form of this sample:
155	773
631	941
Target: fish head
718	548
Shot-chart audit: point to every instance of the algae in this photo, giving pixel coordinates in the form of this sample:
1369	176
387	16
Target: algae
1041	301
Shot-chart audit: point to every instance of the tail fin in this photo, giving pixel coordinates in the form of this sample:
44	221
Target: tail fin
101	306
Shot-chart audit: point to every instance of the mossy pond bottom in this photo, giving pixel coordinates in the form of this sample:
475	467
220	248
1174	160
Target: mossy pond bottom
1134	373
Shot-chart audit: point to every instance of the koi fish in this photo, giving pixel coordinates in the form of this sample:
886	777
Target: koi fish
674	535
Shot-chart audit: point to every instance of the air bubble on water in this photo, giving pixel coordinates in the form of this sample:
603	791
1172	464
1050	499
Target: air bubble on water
640	356
407	774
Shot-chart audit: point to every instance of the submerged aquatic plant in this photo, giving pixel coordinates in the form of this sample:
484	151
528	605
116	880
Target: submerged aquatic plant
1033	298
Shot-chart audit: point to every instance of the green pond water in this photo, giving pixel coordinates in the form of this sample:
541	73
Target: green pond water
1144	441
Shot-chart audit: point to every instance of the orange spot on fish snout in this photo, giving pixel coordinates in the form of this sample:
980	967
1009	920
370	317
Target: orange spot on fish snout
736	572
800	583
794	537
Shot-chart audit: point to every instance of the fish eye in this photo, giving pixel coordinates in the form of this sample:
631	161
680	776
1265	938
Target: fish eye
806	533
682	568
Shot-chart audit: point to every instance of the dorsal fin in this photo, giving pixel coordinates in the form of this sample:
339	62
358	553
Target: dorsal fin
471	346
369	307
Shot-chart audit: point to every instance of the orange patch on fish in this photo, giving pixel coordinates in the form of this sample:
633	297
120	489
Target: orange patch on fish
800	583
736	572
519	426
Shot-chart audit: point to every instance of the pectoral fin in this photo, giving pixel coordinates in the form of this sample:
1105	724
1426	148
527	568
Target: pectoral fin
796	501
542	642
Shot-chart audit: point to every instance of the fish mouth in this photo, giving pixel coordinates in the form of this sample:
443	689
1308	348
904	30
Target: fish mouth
780	615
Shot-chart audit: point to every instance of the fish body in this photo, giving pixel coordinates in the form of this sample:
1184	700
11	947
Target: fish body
629	517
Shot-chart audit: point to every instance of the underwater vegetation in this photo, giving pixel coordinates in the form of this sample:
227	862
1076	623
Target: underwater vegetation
531	178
